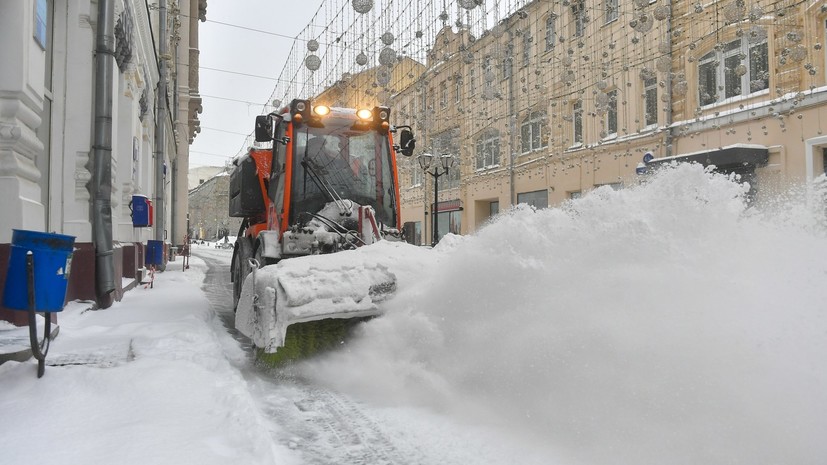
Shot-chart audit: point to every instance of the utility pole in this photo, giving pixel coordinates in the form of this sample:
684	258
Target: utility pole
160	121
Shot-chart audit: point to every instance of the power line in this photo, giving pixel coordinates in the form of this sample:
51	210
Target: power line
230	99
228	132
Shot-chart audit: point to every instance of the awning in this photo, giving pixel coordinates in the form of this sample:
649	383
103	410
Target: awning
734	155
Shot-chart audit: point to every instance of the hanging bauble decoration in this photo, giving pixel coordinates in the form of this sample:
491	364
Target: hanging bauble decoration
646	73
757	34
735	11
443	16
798	53
662	12
740	70
383	77
664	47
312	62
642	23
569	77
795	36
601	99
276	103
387	38
567	61
602	85
488	93
680	88
362	6
383	96
490	76
756	13
468	58
470	4
699	8
387	56
312	45
641	3
361	59
498	30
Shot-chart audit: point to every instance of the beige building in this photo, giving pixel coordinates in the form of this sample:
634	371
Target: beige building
557	99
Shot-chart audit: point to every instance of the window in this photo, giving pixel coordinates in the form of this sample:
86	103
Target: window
577	121
412	232
723	69
416	173
471	81
457	88
575	195
611	113
550	31
443	94
650	104
488	150
447	142
527	40
537	199
448	222
486	66
532	132
493	208
578	18
508	62
611	10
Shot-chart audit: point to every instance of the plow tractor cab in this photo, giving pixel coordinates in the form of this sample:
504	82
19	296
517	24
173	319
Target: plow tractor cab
324	182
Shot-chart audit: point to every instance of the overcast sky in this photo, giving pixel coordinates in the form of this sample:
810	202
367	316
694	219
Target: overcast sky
227	119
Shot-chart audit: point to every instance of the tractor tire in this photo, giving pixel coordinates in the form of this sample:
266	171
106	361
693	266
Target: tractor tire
241	267
259	256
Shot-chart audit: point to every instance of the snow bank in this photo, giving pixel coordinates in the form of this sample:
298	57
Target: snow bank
149	380
664	323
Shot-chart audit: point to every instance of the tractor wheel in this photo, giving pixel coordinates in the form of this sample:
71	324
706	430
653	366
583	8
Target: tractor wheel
259	255
240	267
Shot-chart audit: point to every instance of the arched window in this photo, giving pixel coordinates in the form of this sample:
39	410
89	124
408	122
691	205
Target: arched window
550	31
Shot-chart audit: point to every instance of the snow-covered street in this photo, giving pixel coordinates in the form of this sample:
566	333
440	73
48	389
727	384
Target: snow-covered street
663	323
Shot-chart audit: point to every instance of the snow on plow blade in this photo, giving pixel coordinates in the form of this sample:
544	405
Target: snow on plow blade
309	291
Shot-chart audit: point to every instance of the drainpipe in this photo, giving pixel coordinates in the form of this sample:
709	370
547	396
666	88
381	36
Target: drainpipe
102	155
669	130
512	122
160	121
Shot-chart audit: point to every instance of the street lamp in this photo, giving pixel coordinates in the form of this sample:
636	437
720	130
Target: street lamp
440	168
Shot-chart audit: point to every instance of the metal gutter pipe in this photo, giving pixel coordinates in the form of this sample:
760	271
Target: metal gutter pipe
101	188
160	124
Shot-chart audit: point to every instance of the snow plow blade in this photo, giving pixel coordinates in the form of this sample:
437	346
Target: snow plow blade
305	305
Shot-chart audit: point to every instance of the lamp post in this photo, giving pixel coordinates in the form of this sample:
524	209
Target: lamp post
440	168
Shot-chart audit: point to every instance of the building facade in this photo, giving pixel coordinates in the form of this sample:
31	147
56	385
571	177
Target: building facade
79	112
209	209
559	98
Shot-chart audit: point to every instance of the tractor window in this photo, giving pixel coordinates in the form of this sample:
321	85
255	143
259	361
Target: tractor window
354	163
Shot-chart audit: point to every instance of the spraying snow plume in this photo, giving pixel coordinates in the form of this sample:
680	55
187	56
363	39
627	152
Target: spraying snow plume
664	323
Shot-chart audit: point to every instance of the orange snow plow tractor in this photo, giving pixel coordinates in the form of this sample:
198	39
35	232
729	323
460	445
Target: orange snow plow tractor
326	186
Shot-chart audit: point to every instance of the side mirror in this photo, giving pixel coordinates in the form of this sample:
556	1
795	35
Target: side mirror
407	142
266	127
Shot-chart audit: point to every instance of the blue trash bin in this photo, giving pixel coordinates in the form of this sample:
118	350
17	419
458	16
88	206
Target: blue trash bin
52	257
154	253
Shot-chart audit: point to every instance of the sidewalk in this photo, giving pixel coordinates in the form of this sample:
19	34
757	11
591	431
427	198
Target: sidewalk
152	380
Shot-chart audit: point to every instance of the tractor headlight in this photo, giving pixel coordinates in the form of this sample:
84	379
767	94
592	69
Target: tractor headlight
365	114
321	110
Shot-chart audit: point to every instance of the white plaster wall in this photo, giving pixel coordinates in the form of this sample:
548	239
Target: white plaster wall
21	101
73	91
